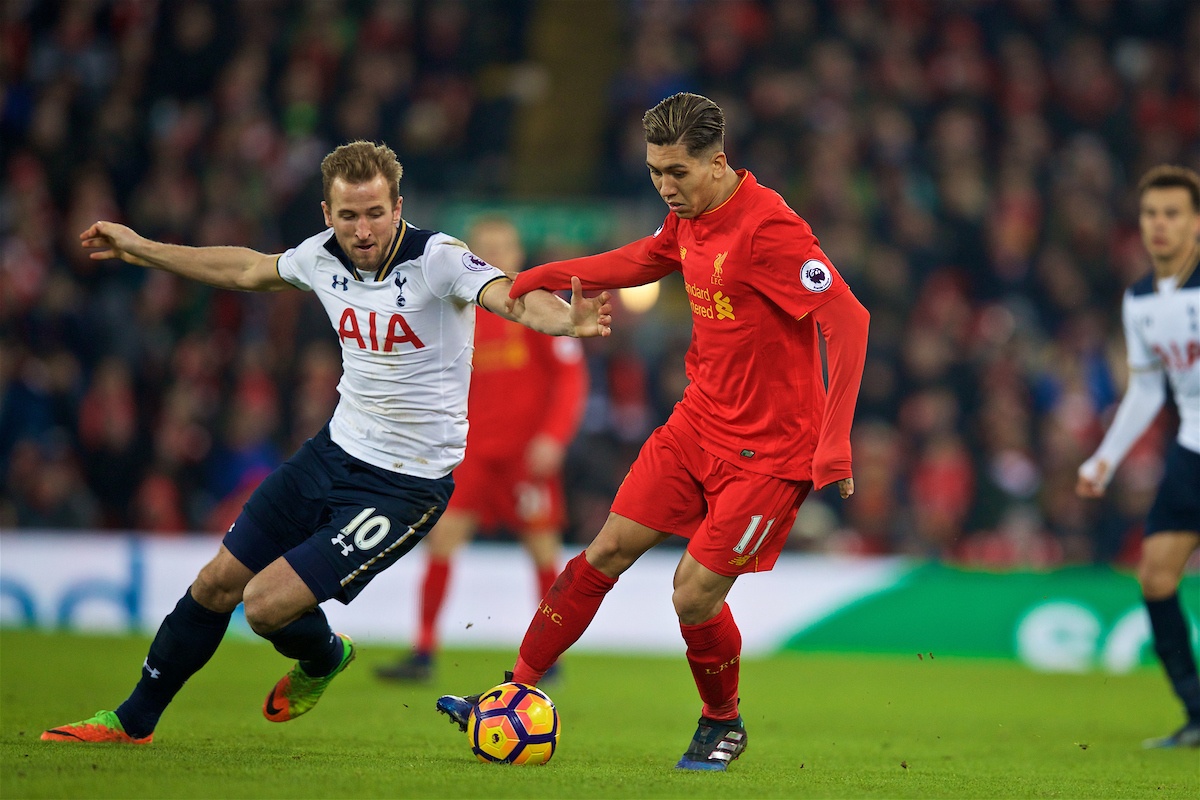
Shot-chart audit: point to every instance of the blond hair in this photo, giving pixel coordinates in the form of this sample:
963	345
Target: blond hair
688	119
360	162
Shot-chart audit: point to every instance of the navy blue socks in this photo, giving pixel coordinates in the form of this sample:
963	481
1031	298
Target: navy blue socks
1172	643
310	641
186	640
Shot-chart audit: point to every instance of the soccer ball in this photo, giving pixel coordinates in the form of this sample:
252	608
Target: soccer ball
514	724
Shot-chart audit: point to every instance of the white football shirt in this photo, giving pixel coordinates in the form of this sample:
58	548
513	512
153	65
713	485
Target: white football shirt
1162	332
407	333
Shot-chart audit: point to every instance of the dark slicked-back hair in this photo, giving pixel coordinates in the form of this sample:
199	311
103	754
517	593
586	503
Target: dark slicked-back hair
688	119
360	162
1166	176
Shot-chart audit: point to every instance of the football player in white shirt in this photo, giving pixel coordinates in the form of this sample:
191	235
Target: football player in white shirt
1161	314
362	492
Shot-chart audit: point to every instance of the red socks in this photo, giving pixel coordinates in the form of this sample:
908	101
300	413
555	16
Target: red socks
546	576
433	595
561	618
714	652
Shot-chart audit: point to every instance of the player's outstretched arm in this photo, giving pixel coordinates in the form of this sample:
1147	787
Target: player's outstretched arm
224	267
546	312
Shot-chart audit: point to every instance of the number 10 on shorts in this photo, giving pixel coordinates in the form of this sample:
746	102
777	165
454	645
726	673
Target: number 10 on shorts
367	532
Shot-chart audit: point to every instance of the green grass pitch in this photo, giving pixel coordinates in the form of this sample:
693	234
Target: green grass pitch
819	726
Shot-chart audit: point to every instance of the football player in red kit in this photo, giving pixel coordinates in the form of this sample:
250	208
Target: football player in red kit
756	428
526	400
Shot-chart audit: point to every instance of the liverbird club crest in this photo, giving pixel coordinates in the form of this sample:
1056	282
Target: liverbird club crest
716	278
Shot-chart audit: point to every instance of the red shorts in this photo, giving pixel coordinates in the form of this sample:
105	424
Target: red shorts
499	492
736	521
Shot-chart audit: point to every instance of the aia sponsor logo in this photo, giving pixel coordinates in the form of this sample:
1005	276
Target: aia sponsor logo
1178	356
378	335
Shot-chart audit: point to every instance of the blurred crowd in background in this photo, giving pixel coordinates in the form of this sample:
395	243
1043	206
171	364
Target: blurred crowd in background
967	164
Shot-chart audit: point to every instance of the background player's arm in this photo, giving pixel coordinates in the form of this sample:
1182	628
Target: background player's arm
548	313
1140	405
224	267
565	383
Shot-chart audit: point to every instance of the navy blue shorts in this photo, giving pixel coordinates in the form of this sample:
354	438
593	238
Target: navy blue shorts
339	522
1177	505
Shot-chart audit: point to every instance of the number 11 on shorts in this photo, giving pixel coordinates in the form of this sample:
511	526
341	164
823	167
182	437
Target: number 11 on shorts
740	547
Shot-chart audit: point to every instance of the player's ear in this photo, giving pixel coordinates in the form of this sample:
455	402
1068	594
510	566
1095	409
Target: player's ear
719	164
325	211
396	211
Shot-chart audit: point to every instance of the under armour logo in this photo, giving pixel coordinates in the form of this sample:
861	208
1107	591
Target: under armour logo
146	666
340	539
345	282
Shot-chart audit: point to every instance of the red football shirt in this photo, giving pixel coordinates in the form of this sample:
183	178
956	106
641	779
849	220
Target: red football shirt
522	383
754	274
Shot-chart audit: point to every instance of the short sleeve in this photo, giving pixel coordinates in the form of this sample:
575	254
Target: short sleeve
451	270
1138	352
791	266
297	265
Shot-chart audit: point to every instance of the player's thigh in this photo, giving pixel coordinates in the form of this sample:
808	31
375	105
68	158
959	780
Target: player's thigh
621	542
660	491
748	520
275	597
287	506
375	517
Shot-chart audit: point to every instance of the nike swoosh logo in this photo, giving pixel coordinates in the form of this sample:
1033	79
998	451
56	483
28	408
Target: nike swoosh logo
271	709
62	732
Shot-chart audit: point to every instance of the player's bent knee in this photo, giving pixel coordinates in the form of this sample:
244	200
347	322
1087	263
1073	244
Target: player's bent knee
262	614
693	608
215	592
1158	584
607	557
